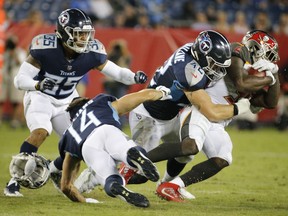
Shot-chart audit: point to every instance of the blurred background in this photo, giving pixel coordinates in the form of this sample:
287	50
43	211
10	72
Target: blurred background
145	33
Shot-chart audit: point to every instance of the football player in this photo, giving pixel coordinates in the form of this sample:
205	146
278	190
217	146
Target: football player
95	137
258	50
190	69
49	75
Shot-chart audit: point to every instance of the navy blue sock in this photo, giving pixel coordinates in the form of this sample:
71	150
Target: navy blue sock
27	147
109	181
58	162
142	150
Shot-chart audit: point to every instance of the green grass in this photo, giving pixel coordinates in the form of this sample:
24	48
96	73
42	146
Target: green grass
255	184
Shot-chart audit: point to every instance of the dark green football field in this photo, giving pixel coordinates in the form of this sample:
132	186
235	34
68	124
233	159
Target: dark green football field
255	184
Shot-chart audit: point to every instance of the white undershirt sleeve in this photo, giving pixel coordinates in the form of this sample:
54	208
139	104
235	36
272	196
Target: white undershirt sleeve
123	75
24	79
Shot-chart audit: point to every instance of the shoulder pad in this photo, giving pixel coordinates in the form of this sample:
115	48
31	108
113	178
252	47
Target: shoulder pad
97	46
193	73
44	41
240	50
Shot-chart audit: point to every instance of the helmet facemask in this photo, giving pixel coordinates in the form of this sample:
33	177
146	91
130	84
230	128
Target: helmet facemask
213	53
261	46
215	71
79	39
75	30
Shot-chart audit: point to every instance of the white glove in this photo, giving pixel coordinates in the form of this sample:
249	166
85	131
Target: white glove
243	106
165	91
269	73
91	200
265	65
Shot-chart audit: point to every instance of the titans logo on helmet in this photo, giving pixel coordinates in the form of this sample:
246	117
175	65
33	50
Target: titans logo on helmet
63	18
205	45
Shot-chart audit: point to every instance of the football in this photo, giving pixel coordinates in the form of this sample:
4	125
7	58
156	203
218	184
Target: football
252	71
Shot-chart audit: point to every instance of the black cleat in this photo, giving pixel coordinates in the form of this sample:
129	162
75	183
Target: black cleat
56	179
128	196
12	189
143	164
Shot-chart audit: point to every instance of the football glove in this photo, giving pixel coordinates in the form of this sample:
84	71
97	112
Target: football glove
265	65
45	84
242	106
270	74
140	77
91	200
165	92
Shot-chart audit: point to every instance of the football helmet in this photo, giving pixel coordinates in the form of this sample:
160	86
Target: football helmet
30	171
75	29
261	45
213	53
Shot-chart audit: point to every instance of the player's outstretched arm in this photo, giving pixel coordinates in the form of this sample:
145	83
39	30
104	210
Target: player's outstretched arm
216	112
123	75
130	101
70	166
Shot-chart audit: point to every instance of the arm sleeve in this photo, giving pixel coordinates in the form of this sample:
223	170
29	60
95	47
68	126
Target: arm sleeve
24	79
123	75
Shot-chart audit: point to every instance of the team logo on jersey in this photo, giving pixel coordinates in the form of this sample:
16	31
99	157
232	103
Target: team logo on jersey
63	18
205	45
69	67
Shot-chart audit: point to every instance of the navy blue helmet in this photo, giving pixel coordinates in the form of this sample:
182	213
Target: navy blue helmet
213	53
75	29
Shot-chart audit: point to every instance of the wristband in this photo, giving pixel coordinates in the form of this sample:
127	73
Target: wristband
235	110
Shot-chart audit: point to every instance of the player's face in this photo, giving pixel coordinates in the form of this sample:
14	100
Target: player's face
81	38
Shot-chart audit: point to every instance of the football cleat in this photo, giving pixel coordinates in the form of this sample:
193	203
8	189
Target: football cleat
56	179
143	164
186	194
128	196
12	189
169	192
86	181
126	172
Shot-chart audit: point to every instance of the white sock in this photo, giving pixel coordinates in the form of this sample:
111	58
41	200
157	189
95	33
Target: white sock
166	177
53	168
178	181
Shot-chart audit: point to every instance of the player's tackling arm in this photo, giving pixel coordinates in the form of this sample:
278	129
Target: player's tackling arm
216	112
130	101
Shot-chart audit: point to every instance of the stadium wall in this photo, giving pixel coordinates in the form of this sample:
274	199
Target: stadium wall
149	49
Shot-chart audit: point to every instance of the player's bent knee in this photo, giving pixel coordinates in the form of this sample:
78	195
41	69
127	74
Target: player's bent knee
189	146
220	162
